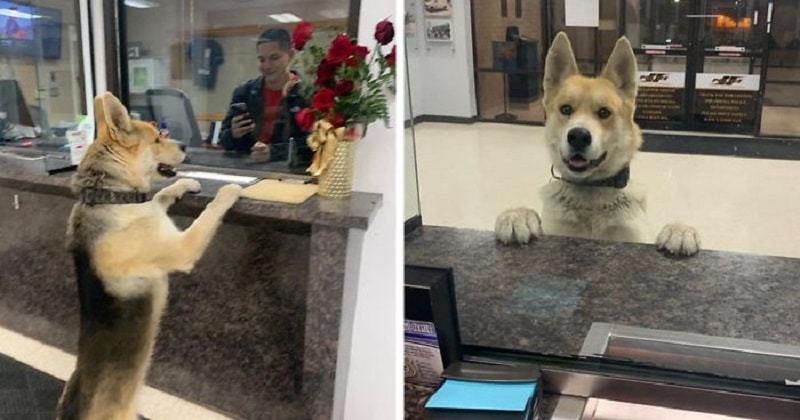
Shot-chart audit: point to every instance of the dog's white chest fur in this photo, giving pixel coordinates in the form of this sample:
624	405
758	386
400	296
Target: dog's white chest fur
594	212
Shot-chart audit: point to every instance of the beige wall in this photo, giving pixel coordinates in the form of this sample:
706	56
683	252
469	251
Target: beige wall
55	85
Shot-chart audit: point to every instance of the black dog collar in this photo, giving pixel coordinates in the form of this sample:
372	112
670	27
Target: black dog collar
619	181
93	197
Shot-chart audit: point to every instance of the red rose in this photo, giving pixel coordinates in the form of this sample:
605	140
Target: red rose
341	49
359	54
344	87
391	57
323	100
336	119
305	119
325	72
302	33
384	32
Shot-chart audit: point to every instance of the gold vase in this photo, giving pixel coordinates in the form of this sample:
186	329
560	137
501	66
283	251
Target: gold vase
336	181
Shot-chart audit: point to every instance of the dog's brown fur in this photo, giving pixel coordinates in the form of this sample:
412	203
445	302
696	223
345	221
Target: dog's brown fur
603	108
123	254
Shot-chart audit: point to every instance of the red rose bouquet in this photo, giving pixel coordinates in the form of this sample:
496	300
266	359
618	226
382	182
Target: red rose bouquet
350	80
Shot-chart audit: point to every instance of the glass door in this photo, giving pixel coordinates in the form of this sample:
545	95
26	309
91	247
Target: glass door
661	36
780	109
700	63
731	45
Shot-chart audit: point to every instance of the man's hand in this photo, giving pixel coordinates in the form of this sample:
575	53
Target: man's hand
241	125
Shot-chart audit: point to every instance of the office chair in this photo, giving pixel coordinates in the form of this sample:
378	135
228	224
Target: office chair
176	107
40	119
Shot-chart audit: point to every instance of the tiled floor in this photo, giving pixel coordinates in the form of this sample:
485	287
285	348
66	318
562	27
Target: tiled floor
26	393
468	174
32	376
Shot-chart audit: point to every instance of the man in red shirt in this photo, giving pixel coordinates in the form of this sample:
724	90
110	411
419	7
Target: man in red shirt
269	123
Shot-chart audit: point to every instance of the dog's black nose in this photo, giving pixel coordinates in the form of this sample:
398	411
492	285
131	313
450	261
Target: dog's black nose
579	137
183	147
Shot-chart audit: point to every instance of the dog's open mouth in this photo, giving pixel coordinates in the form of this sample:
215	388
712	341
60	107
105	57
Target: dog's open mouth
578	163
166	170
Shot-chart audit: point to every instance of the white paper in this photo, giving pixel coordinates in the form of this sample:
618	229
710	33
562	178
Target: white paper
727	81
78	144
237	179
582	13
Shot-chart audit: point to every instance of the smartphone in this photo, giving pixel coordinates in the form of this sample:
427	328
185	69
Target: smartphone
238	108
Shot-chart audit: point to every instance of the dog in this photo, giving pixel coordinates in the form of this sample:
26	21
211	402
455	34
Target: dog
592	139
124	248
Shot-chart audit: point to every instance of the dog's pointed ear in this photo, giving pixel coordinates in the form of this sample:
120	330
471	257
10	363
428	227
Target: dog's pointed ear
112	114
559	64
621	68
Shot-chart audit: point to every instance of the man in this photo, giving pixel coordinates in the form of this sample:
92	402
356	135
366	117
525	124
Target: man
269	122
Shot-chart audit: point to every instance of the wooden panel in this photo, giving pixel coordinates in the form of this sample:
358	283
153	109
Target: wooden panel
210	116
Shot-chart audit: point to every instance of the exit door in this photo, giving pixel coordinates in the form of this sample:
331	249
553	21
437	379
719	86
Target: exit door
701	63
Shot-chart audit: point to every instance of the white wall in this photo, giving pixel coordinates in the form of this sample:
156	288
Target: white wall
442	75
370	339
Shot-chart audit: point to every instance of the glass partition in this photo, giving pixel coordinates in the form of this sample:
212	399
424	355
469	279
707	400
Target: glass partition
195	65
412	209
700	67
43	82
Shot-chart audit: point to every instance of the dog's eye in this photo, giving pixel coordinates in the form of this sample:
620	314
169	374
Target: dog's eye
565	110
603	113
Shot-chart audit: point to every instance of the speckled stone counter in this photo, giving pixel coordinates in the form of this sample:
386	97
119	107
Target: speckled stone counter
252	332
545	296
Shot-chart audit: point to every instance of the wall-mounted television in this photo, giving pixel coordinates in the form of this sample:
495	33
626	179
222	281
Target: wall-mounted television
27	30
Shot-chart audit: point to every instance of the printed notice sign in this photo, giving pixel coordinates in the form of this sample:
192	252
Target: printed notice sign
423	360
726	101
660	97
582	13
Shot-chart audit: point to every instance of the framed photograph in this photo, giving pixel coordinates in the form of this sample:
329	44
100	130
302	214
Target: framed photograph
439	30
438	8
432	337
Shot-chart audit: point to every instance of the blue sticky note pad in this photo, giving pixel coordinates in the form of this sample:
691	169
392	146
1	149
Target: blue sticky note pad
474	395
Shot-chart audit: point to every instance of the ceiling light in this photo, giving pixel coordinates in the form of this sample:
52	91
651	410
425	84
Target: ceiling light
17	14
285	18
333	14
141	4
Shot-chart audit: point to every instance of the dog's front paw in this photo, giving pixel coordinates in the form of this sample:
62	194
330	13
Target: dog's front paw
189	185
678	240
520	225
228	194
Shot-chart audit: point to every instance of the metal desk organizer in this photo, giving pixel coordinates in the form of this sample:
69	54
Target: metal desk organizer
726	357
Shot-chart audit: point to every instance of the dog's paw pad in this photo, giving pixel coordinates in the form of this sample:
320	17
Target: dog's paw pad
678	240
517	226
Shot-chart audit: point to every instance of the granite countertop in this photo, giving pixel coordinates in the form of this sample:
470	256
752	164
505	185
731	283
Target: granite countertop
544	297
353	213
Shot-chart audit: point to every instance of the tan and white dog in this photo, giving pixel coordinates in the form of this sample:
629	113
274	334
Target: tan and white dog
124	248
592	139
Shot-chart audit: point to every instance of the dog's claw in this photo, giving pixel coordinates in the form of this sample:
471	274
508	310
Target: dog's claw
678	240
520	225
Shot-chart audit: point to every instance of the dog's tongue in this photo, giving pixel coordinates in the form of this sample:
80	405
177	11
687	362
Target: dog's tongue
577	162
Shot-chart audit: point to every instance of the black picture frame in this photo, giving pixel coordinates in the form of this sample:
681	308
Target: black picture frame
430	296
